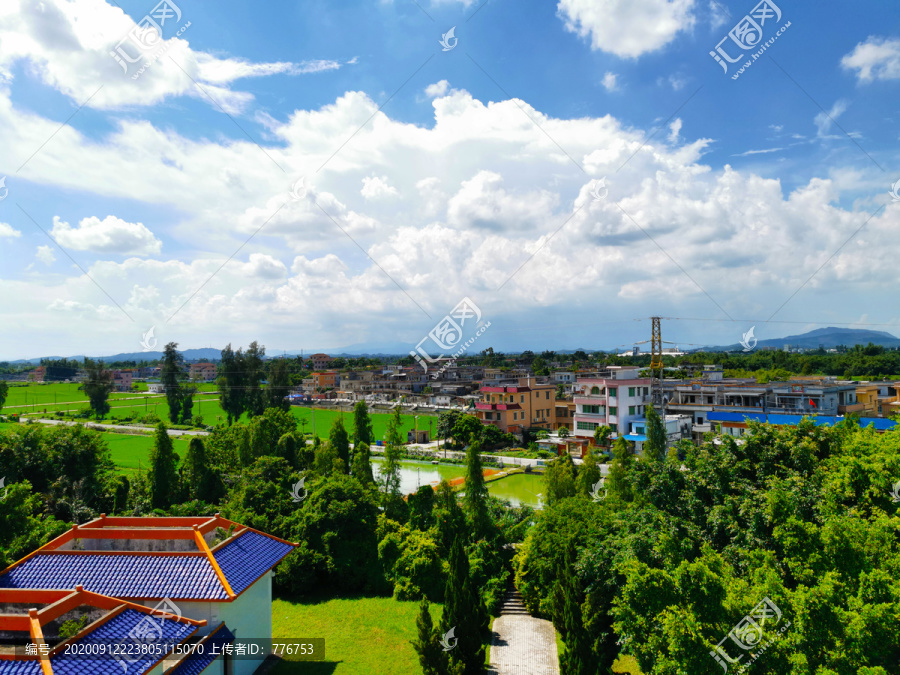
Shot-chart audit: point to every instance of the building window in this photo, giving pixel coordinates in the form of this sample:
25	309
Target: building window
523	399
631	391
612	391
646	391
515	416
614	428
591	409
595	390
546	394
613	410
587	426
631	410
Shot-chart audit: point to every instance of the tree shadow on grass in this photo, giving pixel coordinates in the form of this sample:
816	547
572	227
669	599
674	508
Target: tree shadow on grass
305	667
275	665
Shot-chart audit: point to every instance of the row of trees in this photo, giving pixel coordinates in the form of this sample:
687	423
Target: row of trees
673	552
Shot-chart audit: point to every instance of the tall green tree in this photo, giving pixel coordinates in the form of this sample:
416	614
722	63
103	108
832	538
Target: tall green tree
432	657
362	424
588	475
279	385
464	612
475	500
655	446
163	473
361	466
252	364
4	390
619	483
577	658
171	375
230	384
200	481
287	449
97	385
601	435
559	479
390	470
187	403
340	441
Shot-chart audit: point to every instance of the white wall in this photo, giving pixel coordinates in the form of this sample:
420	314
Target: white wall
248	617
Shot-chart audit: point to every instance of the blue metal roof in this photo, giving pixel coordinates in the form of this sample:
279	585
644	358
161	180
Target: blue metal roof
819	420
248	557
197	661
243	560
635	437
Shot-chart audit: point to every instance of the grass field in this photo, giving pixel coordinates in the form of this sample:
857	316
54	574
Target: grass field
131	452
363	636
49	398
325	418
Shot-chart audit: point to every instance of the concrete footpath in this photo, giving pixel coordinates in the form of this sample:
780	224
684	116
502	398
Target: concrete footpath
522	644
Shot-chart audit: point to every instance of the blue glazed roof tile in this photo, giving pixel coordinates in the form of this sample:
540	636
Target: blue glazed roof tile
115	629
248	557
121	576
243	560
196	662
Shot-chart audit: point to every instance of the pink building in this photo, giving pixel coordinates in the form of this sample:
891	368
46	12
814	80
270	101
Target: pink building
615	400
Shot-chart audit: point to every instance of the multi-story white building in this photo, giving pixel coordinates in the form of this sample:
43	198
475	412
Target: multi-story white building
615	399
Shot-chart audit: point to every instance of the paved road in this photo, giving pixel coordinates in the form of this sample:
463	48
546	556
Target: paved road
522	645
119	427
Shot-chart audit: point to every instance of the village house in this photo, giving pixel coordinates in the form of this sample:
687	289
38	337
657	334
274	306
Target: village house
203	372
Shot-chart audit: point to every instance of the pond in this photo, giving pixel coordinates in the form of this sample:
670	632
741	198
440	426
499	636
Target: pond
518	489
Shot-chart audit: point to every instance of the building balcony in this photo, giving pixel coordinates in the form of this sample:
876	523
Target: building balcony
481	405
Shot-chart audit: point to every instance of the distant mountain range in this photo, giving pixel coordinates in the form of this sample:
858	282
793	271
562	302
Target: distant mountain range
828	338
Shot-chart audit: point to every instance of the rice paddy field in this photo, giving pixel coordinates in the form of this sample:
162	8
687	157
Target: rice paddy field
49	398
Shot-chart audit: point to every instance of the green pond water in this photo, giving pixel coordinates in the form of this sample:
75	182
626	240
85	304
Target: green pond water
518	489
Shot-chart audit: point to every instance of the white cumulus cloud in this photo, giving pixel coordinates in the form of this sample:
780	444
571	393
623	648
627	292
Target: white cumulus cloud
110	235
627	28
875	59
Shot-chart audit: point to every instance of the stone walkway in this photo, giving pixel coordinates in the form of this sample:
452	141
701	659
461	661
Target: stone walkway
522	645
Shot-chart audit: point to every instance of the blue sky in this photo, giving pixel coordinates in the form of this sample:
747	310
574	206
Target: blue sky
572	168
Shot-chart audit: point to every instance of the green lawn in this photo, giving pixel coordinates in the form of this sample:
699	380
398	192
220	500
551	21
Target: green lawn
363	636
